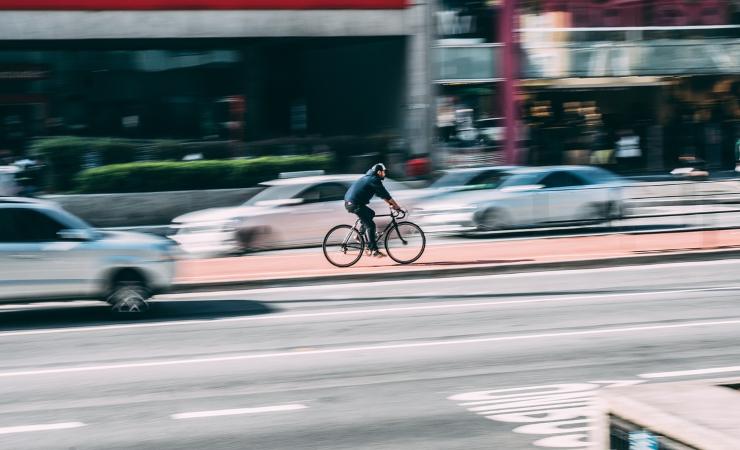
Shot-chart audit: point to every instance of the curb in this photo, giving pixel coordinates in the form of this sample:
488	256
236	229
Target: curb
657	258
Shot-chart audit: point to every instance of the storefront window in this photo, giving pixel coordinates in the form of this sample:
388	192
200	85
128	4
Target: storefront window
635	13
136	93
472	21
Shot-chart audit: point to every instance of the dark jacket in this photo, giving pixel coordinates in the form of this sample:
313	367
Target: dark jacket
365	188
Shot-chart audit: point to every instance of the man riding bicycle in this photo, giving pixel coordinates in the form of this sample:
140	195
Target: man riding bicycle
357	198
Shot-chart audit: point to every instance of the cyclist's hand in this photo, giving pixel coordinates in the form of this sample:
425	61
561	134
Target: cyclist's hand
397	208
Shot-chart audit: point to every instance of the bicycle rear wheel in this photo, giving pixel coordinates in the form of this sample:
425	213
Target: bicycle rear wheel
343	245
405	243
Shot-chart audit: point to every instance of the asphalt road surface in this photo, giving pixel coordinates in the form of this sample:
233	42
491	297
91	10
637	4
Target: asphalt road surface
444	363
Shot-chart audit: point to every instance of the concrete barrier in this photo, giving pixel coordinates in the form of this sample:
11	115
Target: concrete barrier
701	415
147	208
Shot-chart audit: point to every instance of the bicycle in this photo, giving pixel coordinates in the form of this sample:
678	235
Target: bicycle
404	241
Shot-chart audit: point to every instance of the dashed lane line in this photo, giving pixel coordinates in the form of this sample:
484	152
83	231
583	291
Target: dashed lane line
236	412
369	348
41	427
686	373
365	311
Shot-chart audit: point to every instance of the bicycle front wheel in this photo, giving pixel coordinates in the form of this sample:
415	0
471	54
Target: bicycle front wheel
343	245
405	243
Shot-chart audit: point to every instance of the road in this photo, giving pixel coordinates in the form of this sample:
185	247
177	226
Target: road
381	365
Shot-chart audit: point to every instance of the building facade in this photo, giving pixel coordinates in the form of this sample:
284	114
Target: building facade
247	70
593	73
466	81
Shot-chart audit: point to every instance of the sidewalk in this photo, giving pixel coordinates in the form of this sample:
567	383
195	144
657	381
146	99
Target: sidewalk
475	257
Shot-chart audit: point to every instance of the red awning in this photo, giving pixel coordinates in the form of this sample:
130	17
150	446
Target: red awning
198	4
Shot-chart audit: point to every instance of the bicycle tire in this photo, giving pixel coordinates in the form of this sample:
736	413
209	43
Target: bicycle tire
394	233
335	239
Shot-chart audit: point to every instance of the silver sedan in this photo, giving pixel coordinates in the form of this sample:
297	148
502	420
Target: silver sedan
527	197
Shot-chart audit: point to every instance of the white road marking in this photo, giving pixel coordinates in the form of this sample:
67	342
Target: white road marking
564	413
685	373
355	312
20	306
43	427
301	353
436	280
236	412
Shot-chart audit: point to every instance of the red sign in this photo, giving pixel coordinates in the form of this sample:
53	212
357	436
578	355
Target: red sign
197	4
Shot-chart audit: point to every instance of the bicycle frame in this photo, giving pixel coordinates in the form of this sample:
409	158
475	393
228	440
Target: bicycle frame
392	224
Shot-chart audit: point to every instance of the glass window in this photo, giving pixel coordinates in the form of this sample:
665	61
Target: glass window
451	179
598	176
26	225
561	180
7	226
278	192
466	63
332	192
327	192
521	179
490	178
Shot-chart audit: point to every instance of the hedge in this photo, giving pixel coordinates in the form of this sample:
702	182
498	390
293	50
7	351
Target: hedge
66	156
175	176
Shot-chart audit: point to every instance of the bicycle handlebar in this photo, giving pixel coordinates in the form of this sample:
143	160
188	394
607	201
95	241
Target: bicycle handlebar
400	214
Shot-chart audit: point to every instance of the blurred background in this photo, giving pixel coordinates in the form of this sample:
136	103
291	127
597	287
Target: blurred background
639	87
574	164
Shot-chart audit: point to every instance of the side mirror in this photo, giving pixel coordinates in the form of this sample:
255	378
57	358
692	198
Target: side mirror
523	188
78	235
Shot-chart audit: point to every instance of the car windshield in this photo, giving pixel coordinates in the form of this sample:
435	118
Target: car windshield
601	176
278	192
452	179
520	179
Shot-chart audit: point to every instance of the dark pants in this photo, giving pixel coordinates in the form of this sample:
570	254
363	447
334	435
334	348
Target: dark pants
366	218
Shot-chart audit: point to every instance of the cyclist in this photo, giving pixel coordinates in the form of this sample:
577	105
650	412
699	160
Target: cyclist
357	198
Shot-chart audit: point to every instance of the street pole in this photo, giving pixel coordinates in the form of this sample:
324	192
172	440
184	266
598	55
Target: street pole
507	27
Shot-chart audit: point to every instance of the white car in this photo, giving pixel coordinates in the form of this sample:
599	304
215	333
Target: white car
527	197
291	212
468	178
47	254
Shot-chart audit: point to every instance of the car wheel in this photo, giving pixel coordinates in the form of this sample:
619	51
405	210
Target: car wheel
491	220
253	239
129	295
616	211
595	213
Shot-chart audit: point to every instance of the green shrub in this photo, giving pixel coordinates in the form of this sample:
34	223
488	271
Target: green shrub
175	176
67	156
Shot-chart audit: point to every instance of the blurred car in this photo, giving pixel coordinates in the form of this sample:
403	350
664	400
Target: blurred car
48	254
467	178
527	197
289	212
8	184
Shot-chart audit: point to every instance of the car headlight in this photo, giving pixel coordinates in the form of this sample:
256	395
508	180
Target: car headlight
231	225
215	226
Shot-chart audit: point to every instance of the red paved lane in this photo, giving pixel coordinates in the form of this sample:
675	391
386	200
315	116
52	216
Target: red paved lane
444	256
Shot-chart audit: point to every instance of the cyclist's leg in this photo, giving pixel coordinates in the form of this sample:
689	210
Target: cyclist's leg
366	216
353	209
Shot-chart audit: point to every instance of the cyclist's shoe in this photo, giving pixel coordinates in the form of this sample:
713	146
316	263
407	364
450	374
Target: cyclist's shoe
378	254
